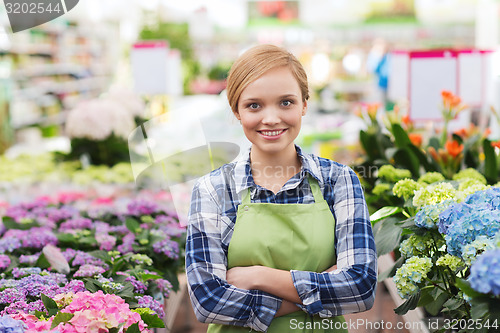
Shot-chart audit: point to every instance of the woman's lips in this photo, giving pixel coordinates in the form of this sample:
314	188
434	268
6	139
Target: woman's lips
272	134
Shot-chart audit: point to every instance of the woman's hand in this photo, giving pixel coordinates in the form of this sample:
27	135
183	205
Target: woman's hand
244	277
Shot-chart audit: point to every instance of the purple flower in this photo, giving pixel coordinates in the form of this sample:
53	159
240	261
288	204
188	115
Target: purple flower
139	286
29	259
83	258
128	240
76	223
4	261
8	244
167	247
23	306
89	271
141	207
106	242
11	295
165	286
149	302
25	271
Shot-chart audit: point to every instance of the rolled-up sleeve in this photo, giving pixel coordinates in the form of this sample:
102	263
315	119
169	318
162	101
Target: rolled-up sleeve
213	299
351	287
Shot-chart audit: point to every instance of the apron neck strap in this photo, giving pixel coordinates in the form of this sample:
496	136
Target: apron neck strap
313	183
316	191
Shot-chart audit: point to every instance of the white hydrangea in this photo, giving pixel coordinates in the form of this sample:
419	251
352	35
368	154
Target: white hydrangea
128	99
97	119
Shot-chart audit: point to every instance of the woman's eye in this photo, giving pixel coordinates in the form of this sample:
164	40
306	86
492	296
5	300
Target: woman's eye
253	106
286	103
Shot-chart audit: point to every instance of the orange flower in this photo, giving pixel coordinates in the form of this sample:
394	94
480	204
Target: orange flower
406	119
434	153
453	148
487	133
372	109
496	144
416	139
463	132
450	100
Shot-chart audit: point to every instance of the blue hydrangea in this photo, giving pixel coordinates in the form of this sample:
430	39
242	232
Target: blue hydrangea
428	216
463	223
8	324
490	197
485	273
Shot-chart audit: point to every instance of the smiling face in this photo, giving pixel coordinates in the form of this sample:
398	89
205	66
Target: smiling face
270	110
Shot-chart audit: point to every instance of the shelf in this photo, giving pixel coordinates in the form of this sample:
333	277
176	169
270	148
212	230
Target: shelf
47	70
57	88
57	119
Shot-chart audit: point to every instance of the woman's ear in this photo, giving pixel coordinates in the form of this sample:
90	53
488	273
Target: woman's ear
237	115
304	109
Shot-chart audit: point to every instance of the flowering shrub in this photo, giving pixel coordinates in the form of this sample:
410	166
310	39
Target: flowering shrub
449	252
128	248
84	312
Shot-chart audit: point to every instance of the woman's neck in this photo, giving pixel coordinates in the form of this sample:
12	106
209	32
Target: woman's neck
272	171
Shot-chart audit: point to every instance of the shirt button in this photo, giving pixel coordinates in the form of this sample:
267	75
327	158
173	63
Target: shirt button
246	208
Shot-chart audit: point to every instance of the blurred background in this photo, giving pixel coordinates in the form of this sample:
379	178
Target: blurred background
92	100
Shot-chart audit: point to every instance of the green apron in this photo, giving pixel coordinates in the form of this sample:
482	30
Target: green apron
285	236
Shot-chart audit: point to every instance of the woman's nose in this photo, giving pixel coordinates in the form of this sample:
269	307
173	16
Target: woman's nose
271	116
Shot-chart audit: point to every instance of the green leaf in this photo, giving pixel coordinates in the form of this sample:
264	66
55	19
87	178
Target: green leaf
61	317
50	305
383	213
145	277
387	238
40	314
10	223
400	136
152	320
410	304
132	225
453	303
103	255
92	285
465	287
66	238
434	142
425	296
424	161
42	262
490	162
133	328
478	308
127	291
89	240
435	307
404	157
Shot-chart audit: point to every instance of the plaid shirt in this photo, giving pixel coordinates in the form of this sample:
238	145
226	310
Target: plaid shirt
214	202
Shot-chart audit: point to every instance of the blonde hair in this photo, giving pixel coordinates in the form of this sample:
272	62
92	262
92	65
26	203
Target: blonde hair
254	63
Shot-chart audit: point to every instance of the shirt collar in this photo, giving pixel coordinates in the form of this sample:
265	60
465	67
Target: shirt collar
244	179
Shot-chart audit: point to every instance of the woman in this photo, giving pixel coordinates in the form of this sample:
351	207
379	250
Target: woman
280	240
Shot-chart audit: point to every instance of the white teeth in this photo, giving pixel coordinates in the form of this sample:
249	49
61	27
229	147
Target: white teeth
272	133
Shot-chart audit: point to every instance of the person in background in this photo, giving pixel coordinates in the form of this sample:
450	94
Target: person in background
278	240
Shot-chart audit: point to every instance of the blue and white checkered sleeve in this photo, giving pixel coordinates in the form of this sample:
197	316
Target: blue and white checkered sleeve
213	299
351	287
